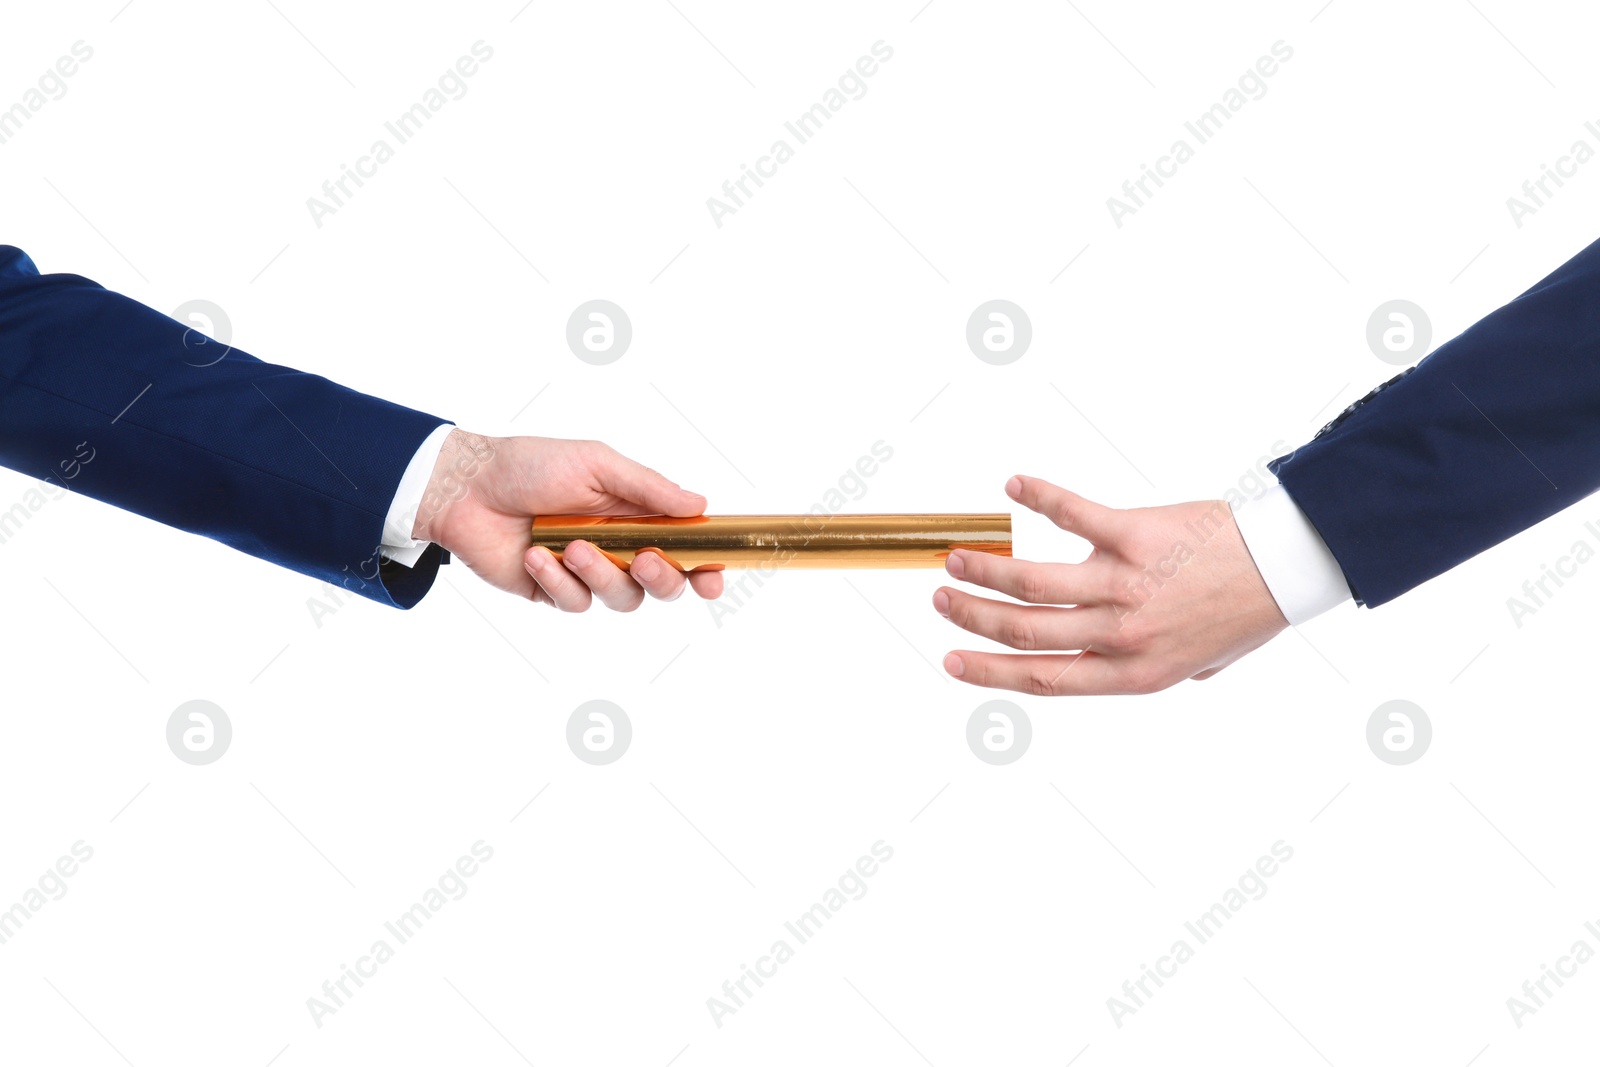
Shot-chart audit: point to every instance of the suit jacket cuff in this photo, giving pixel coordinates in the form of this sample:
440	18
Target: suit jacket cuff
398	544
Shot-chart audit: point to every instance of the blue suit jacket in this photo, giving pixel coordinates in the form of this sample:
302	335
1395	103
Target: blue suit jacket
1491	433
284	465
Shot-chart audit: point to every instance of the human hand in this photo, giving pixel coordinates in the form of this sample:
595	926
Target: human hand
1168	593
485	492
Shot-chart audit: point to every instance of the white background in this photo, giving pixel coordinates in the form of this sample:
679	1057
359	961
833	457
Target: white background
370	751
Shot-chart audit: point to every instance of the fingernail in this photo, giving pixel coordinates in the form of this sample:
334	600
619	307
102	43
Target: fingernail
941	603
955	565
646	566
1014	486
534	561
953	665
578	553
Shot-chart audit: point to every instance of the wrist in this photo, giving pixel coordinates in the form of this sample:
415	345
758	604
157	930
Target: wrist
462	456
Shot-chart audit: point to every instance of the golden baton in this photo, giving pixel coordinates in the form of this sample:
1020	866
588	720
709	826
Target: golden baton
713	542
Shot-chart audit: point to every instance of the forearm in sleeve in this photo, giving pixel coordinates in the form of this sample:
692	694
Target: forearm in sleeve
1491	433
281	464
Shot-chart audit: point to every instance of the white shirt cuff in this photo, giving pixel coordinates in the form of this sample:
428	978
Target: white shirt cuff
398	544
1300	572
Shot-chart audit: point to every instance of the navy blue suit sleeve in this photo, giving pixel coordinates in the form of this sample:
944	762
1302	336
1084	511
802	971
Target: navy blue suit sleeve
1491	433
107	397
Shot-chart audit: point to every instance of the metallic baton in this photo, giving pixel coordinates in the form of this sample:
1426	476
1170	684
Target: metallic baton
713	542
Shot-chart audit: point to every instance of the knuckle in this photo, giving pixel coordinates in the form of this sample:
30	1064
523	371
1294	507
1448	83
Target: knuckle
1032	587
1114	640
1132	633
1143	679
1018	633
1040	680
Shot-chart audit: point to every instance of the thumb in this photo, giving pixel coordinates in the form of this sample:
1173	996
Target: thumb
638	484
1093	522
